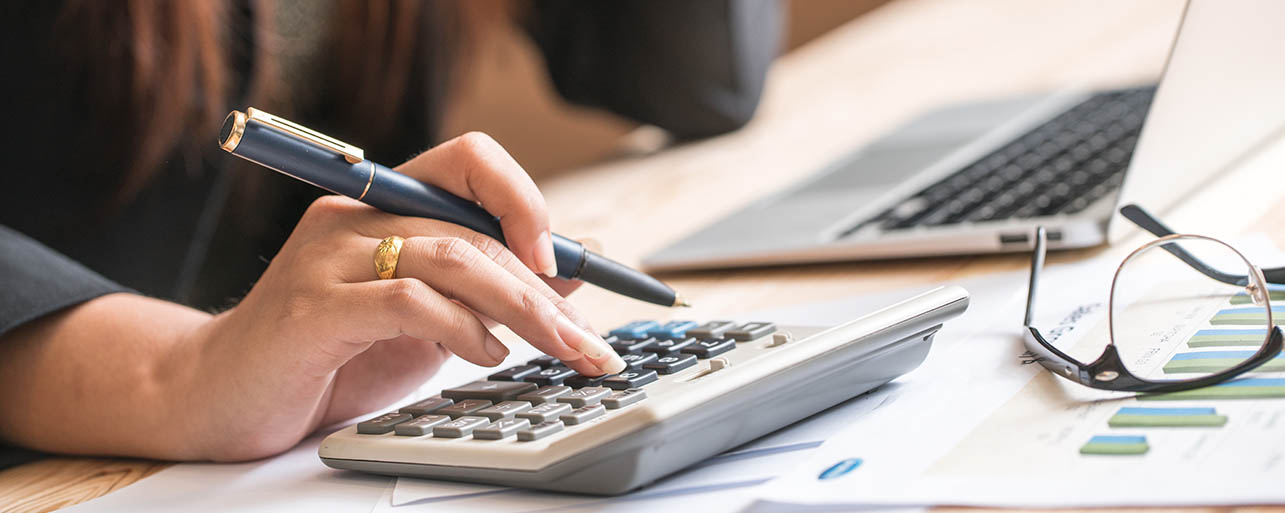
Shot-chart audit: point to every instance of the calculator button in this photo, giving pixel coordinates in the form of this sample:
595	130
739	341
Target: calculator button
672	363
625	346
459	428
551	376
494	391
710	348
622	398
420	426
582	415
752	330
631	379
669	346
382	424
636	329
544	394
514	373
581	381
501	429
465	407
711	329
540	430
504	410
545	361
426	406
545	412
585	397
636	360
672	329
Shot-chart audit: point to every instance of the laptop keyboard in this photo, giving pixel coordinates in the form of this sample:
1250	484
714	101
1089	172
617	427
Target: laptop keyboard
1060	167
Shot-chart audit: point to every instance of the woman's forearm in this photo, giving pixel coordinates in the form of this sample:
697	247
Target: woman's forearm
105	377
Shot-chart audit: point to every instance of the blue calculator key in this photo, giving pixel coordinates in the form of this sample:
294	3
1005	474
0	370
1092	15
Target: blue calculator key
631	379
545	361
636	329
669	346
626	346
551	376
514	373
710	348
672	329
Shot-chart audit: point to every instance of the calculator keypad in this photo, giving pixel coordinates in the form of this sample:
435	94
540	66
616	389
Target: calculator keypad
543	397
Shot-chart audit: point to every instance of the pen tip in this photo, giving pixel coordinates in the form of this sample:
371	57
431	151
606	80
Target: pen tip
680	302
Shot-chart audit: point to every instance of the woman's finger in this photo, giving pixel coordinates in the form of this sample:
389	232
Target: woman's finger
475	167
464	273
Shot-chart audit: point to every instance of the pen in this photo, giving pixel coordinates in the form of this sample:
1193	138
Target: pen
341	168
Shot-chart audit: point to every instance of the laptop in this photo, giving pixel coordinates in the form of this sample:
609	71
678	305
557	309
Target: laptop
979	177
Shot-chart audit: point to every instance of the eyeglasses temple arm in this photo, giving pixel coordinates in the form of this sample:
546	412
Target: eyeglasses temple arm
1037	265
1145	220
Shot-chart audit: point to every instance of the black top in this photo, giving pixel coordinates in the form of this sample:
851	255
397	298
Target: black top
693	68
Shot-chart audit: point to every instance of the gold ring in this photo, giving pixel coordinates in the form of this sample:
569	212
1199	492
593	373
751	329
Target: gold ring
386	254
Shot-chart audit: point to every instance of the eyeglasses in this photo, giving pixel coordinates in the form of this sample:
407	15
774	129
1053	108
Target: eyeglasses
1185	311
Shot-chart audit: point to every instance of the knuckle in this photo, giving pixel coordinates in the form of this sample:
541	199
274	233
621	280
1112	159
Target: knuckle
534	303
451	252
403	294
486	245
477	143
326	208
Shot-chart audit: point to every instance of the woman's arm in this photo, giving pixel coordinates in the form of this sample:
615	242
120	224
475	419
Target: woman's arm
318	339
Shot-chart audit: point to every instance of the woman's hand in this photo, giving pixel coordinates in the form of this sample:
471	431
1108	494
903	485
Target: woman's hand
320	338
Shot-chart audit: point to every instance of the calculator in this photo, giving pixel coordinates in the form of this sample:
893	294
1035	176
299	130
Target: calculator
691	390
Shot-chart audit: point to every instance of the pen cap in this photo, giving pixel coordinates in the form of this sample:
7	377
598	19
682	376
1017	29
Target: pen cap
289	153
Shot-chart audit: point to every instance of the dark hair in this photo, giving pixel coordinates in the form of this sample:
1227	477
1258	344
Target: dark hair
164	69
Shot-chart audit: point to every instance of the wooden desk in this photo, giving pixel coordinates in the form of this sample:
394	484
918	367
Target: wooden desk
822	100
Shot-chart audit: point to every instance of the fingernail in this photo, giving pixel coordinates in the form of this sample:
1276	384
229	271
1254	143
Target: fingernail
544	258
590	345
497	350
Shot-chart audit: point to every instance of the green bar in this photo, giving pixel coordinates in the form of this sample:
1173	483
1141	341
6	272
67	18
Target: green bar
1219	392
1114	449
1226	340
1167	420
1211	365
1243	299
1242	319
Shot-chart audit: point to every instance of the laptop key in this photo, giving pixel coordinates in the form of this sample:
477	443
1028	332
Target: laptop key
503	410
622	398
459	428
426	406
545	412
501	429
551	376
382	424
582	415
670	364
585	397
465	407
540	430
514	373
494	391
420	426
631	379
545	394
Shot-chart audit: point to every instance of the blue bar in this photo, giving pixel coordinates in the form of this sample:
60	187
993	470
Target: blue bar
1132	410
1230	332
1254	382
673	329
635	330
1118	439
1205	355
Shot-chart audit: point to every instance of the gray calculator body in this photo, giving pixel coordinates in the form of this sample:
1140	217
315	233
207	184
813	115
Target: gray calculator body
762	386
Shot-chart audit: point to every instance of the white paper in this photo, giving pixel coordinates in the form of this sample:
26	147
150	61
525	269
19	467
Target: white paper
978	427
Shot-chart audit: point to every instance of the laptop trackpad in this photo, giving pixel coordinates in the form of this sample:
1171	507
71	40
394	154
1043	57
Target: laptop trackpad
883	166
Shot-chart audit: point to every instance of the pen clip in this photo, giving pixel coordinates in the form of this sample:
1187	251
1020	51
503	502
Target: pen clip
351	153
